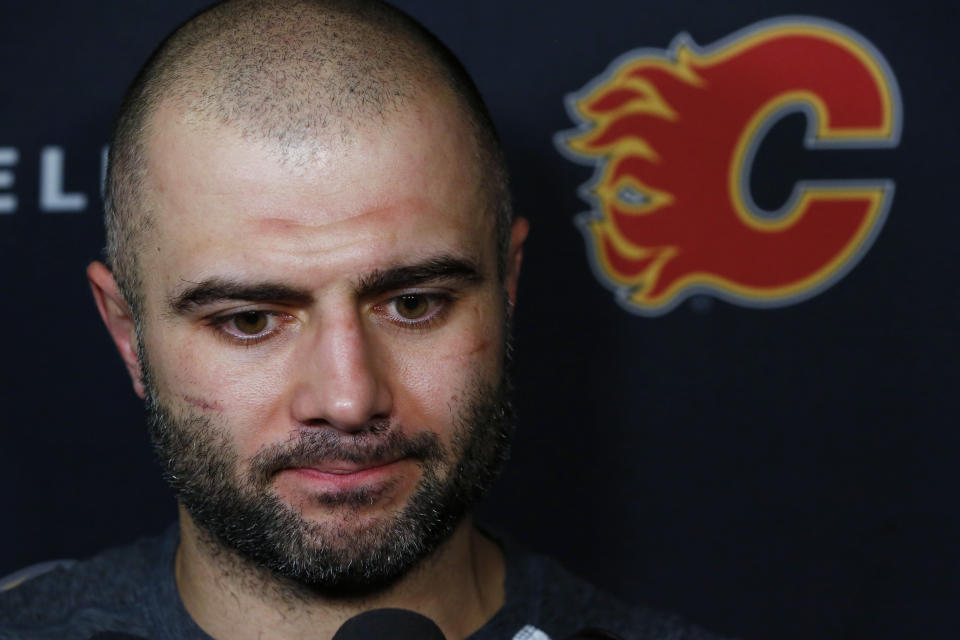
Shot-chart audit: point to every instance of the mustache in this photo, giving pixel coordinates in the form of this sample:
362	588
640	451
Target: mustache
314	447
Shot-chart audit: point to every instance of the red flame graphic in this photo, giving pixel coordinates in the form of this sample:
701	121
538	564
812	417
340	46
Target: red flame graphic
672	138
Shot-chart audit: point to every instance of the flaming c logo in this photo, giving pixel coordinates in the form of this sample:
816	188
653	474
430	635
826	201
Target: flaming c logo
673	136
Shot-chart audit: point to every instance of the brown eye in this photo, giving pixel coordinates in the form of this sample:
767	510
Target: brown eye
251	322
412	307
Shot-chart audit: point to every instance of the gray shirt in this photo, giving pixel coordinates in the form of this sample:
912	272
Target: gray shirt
132	590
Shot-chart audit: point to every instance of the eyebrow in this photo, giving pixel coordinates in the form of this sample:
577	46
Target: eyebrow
199	294
445	268
438	268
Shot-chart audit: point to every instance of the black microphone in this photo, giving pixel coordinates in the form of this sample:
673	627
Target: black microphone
592	633
389	624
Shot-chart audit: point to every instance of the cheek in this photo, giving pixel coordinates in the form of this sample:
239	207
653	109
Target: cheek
237	389
431	381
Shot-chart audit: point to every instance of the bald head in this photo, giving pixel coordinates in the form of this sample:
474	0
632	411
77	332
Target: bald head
297	74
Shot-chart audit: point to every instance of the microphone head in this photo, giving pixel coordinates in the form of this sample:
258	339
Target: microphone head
592	633
389	624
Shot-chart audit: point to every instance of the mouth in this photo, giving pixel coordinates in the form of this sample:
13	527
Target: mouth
340	475
319	467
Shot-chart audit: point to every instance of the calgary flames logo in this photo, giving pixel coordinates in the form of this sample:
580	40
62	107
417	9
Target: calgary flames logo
673	136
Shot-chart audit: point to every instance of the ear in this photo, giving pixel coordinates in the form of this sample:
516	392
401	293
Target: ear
518	234
116	315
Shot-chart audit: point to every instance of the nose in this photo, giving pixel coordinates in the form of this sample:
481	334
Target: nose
340	383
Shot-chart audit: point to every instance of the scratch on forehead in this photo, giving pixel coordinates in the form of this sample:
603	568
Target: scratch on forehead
314	215
315	235
278	224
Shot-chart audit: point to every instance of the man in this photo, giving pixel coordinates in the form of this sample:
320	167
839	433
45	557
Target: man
312	271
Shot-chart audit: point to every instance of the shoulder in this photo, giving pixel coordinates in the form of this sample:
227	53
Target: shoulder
559	604
74	599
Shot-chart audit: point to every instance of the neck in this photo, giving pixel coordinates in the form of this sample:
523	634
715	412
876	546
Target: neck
459	586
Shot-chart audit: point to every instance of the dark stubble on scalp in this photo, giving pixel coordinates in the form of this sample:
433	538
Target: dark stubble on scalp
243	514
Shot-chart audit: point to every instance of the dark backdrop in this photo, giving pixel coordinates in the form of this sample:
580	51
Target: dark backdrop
770	473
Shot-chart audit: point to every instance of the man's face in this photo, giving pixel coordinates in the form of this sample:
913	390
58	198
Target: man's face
323	340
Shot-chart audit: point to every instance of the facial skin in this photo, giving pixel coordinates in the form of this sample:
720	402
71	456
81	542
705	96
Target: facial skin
347	294
335	559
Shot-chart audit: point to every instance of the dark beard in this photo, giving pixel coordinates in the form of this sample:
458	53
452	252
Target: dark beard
201	465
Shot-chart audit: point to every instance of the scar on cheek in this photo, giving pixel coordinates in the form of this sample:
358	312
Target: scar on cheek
206	405
483	345
465	351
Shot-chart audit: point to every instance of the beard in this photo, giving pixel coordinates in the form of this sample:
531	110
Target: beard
235	508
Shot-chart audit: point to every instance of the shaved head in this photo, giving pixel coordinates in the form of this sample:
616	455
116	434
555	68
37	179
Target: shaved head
297	74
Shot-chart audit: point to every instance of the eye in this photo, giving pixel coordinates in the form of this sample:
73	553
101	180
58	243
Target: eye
417	310
412	307
250	322
249	327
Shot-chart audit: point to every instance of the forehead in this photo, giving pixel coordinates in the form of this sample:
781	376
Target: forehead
384	193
